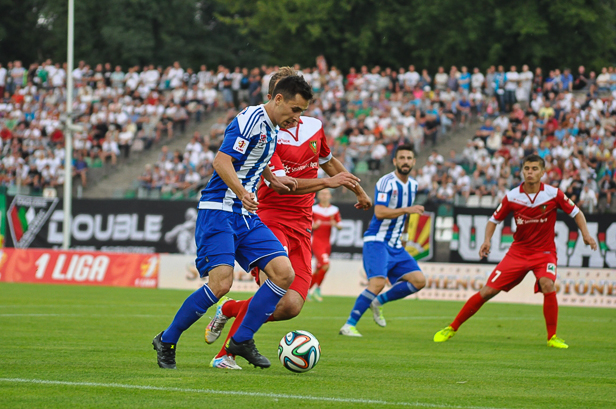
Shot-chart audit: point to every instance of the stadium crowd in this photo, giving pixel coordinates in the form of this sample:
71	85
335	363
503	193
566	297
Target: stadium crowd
567	119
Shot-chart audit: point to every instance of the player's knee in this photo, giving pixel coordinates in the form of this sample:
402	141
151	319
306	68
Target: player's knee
376	284
221	280
546	285
283	276
288	277
488	292
280	272
418	281
220	287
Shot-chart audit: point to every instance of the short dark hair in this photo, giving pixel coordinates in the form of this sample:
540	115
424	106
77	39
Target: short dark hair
404	147
290	86
281	73
534	158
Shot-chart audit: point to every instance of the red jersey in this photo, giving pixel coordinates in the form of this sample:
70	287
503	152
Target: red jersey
328	216
535	216
299	152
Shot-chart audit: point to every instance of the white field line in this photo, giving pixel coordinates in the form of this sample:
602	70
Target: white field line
241	393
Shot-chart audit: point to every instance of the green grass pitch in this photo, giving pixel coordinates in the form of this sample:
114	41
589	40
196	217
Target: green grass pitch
90	347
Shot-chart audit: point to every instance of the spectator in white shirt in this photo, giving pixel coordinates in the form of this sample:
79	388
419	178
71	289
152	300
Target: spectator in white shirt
588	199
109	148
463	184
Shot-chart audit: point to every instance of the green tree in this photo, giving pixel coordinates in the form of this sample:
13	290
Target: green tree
20	31
429	34
126	32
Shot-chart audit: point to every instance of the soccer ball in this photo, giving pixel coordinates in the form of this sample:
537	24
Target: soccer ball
299	351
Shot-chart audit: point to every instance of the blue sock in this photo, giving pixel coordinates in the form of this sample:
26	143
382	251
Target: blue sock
361	305
261	306
193	308
399	290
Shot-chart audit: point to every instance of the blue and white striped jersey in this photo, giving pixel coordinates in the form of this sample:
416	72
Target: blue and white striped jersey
251	140
393	193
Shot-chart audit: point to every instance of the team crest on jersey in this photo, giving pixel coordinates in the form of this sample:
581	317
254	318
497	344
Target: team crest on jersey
313	146
262	139
543	208
551	268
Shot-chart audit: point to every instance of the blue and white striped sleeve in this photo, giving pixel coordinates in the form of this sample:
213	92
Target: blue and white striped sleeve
234	143
382	192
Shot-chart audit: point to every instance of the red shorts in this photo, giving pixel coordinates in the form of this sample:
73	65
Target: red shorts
321	252
298	247
514	267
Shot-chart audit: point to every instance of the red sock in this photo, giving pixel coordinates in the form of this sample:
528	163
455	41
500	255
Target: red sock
550	312
470	308
239	317
317	278
232	307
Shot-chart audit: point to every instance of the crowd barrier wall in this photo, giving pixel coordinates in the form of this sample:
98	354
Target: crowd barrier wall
164	226
445	281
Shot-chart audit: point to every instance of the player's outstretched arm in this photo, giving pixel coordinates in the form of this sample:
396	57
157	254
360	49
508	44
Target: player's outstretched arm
223	165
383	212
580	220
305	186
484	250
333	167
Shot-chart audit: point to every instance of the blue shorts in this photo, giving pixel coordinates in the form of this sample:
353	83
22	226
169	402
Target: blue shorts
224	237
381	260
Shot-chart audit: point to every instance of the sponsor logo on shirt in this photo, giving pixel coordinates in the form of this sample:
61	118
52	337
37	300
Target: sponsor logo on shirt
289	169
519	221
240	145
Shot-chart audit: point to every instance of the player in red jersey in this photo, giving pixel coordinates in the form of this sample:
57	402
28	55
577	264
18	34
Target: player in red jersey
324	216
299	153
534	206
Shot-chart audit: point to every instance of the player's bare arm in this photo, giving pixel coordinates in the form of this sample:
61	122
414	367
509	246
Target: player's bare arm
484	250
580	220
223	165
280	184
305	186
333	167
384	212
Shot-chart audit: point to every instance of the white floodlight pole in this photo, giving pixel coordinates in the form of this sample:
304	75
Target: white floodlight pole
68	147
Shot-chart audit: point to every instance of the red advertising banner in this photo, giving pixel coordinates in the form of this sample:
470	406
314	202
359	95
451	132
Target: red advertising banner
79	267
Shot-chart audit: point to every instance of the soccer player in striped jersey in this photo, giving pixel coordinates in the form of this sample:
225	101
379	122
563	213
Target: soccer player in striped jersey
302	150
384	251
228	229
534	206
